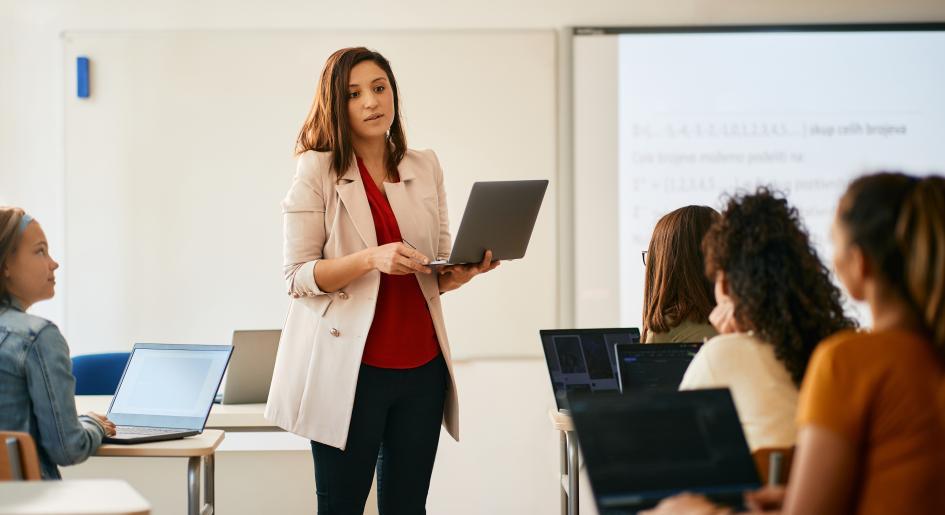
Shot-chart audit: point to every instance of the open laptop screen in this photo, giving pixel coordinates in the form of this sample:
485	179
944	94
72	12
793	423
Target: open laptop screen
653	367
169	385
643	447
584	359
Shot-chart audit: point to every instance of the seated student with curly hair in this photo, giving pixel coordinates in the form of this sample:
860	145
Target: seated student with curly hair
775	302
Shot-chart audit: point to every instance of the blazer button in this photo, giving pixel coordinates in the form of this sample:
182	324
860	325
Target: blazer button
334	332
343	296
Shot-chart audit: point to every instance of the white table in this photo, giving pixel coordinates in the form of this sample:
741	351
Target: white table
71	497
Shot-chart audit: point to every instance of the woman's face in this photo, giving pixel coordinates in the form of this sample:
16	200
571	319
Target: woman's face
848	260
30	271
370	101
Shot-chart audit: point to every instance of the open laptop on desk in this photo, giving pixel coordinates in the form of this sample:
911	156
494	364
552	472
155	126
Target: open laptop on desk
642	448
249	375
166	391
654	367
583	359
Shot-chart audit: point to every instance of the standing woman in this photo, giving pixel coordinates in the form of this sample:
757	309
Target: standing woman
364	368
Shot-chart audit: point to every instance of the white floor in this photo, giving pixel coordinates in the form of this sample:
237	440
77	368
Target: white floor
506	462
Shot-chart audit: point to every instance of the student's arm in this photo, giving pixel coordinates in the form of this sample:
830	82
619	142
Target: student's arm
65	437
822	475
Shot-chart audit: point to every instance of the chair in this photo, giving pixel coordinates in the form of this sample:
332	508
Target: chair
774	464
18	458
98	374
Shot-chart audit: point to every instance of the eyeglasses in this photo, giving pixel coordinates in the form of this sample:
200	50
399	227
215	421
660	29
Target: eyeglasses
643	254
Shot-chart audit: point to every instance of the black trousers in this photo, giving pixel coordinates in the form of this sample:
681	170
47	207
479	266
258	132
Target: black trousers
395	428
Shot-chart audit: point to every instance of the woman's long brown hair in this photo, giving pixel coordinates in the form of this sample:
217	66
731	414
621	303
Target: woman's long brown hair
899	222
327	127
676	288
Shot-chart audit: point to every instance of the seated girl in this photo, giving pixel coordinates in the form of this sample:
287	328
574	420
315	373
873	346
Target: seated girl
37	389
677	297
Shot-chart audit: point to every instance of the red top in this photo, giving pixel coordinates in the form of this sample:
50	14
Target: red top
402	333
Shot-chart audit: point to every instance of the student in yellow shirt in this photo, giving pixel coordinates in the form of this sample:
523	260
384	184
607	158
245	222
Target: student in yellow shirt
872	406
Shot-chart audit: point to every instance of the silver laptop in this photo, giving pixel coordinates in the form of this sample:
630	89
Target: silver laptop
250	372
166	391
499	216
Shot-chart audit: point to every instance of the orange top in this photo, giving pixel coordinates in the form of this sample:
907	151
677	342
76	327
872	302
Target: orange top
885	393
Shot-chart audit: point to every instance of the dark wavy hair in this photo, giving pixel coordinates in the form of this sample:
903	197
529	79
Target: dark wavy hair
781	289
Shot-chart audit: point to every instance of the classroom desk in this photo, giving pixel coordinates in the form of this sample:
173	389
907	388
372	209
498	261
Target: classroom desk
228	417
570	467
71	497
196	449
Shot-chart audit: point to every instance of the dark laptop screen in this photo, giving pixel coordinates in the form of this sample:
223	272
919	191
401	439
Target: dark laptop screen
654	367
647	446
584	359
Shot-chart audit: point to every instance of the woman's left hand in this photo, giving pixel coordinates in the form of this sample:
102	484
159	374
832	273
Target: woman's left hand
454	276
687	504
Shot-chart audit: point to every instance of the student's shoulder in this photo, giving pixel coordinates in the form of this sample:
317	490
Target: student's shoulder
730	342
24	325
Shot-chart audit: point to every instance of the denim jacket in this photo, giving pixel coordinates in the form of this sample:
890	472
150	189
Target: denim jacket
37	391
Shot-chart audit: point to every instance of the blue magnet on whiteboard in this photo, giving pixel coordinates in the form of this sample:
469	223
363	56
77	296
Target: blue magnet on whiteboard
82	77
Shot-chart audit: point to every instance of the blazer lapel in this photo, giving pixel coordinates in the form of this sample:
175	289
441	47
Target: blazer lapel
351	192
405	211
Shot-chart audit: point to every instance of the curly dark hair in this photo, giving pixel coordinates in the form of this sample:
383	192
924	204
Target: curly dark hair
781	289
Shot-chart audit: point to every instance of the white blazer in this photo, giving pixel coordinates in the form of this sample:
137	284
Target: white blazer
316	371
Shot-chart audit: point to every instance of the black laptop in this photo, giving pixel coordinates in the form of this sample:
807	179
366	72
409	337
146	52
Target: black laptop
653	367
642	448
584	359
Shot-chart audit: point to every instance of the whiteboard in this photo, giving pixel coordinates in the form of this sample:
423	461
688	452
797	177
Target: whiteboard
176	164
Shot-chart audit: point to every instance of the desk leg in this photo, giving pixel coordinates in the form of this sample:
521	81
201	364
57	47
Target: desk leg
208	485
563	462
193	485
574	472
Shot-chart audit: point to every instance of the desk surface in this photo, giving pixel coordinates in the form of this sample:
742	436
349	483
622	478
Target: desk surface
241	416
71	497
201	445
560	421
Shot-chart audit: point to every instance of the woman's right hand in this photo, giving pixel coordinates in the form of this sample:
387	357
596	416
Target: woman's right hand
722	317
398	259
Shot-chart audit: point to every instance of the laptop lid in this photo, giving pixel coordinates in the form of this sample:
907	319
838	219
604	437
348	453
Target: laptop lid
250	372
500	216
169	385
583	359
654	367
642	448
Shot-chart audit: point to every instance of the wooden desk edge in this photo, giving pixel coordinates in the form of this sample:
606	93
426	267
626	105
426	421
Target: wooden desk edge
560	421
165	449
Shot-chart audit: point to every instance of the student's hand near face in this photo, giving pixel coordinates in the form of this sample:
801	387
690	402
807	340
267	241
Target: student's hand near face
454	276
722	317
107	425
687	504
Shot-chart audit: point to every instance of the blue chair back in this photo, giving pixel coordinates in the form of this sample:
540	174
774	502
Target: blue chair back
98	374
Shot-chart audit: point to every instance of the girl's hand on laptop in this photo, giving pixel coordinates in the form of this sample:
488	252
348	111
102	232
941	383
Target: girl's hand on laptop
106	424
686	504
454	276
398	259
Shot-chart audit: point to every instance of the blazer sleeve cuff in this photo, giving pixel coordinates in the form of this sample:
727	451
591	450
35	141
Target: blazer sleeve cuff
303	281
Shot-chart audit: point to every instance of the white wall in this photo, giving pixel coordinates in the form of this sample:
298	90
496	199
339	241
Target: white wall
31	130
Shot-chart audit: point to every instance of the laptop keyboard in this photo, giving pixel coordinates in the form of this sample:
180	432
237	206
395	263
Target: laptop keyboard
144	431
